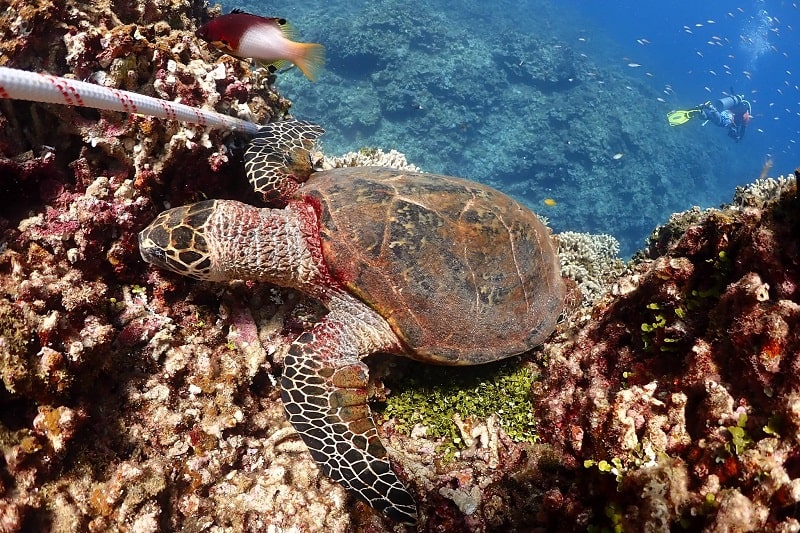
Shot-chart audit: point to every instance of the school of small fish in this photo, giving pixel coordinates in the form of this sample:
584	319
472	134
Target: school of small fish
759	31
270	42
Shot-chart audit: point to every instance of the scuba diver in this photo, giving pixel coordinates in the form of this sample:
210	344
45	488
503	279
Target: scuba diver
731	111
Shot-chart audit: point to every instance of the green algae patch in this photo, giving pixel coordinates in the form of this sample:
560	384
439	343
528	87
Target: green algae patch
433	396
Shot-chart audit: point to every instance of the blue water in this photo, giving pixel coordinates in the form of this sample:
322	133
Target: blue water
694	42
539	99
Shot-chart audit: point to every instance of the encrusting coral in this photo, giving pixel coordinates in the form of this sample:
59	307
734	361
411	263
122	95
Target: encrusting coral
681	389
133	399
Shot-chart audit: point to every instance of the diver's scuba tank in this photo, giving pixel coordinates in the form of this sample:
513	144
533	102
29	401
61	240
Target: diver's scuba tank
728	102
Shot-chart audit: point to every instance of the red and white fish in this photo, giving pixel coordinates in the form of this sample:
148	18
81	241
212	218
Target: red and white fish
268	40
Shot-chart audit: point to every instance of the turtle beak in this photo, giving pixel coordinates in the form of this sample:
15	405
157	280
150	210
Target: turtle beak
151	251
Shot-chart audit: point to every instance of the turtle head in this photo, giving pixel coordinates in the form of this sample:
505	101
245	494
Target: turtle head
223	240
176	241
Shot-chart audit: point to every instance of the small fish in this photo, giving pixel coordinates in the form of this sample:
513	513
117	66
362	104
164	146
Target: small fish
634	65
765	169
549	202
263	39
617	156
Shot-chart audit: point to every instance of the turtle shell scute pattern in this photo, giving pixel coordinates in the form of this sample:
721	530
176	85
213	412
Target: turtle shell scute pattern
175	240
463	273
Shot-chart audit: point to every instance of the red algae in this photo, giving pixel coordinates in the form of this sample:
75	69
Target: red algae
682	386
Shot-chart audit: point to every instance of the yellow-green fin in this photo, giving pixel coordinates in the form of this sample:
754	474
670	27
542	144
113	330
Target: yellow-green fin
287	30
273	66
681	116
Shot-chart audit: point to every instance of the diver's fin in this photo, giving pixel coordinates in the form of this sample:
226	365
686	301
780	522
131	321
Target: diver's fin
681	116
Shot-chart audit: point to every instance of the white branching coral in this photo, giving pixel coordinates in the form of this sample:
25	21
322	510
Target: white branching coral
762	191
370	157
591	261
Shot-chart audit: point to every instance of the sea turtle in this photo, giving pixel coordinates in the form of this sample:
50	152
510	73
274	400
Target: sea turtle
436	268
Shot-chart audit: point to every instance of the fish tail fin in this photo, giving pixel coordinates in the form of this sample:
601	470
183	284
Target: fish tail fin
309	59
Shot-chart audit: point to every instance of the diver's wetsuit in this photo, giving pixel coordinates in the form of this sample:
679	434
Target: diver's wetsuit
729	112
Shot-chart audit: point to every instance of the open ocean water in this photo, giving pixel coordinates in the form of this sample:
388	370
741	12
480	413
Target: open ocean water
561	102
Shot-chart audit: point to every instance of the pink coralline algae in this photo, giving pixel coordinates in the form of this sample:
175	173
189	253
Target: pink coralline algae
680	386
133	399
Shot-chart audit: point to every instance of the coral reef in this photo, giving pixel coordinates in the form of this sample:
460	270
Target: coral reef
680	386
124	407
591	261
374	157
133	399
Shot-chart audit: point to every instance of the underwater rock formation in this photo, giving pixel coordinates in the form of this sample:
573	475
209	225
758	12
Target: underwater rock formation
133	399
679	387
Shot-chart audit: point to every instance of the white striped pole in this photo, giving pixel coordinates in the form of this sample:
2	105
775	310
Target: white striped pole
40	87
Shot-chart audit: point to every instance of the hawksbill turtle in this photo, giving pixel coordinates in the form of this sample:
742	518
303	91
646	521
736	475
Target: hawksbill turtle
435	268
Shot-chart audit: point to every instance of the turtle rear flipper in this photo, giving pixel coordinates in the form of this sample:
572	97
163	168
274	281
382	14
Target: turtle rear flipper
278	159
324	396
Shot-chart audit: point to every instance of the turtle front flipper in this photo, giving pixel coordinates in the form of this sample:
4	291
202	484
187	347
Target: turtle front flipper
278	159
324	395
